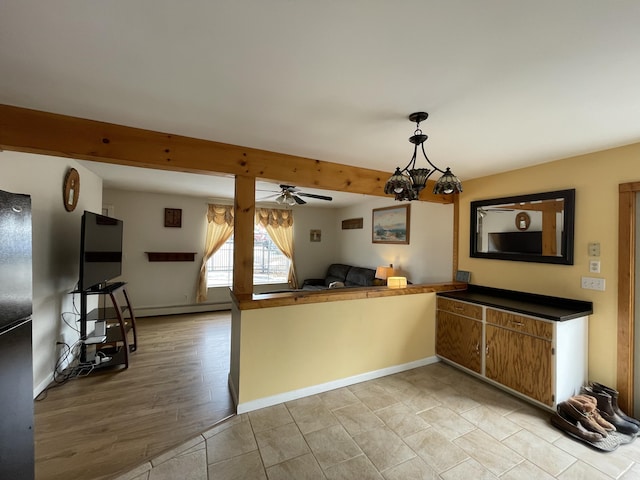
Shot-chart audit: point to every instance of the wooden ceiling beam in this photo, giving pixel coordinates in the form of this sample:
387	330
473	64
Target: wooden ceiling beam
34	131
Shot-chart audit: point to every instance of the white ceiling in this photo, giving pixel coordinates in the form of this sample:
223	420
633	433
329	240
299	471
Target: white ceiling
507	83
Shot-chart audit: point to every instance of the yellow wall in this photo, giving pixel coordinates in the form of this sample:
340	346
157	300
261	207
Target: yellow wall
283	349
596	178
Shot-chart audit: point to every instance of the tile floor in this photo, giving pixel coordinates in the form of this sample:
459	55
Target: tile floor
433	422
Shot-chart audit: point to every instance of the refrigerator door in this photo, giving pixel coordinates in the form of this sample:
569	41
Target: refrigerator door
15	258
16	399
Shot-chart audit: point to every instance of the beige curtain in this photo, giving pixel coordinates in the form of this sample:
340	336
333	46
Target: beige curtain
219	229
279	226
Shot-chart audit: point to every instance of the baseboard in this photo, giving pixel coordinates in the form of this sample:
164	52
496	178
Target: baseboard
325	387
42	385
180	309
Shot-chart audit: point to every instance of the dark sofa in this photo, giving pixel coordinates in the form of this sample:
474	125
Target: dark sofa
340	275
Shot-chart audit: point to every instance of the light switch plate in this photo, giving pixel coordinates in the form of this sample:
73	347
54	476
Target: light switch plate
592	283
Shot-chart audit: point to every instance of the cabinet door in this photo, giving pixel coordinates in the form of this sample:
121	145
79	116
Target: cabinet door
519	361
459	339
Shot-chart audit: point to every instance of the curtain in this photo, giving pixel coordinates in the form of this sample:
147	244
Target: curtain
219	229
279	226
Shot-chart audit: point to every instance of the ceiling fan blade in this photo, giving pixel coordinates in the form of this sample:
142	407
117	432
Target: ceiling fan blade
313	195
298	200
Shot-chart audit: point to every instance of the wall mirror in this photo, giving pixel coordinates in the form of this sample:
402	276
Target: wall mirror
525	228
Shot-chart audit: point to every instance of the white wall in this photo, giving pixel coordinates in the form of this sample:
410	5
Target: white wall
162	287
313	258
427	259
169	287
56	248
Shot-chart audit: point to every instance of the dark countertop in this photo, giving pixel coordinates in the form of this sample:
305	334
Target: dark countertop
550	308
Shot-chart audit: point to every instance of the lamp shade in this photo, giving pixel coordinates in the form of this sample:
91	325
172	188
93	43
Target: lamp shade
383	272
397	282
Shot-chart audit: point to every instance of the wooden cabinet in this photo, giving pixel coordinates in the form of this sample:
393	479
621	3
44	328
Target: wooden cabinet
459	337
537	358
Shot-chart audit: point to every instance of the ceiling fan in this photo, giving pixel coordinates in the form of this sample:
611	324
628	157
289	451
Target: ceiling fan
290	195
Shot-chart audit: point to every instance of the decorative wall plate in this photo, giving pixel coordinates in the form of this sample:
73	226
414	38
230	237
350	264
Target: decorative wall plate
71	189
523	221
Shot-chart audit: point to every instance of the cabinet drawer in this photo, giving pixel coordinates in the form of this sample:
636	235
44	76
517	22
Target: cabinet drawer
530	326
460	308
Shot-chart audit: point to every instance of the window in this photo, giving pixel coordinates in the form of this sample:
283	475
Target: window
269	263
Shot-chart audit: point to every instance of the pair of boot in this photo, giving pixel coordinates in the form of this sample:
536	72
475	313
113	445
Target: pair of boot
607	403
579	417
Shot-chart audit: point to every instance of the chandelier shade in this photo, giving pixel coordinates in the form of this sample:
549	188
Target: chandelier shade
406	184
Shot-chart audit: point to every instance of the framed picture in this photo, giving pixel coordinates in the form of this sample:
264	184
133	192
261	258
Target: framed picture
315	235
173	217
391	225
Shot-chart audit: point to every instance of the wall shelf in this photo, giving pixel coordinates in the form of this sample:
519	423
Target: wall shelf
171	256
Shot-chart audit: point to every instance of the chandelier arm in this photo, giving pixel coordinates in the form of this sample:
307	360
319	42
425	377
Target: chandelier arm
429	161
412	162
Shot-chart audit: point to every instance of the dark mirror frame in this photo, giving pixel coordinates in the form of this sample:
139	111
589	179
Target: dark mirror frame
568	228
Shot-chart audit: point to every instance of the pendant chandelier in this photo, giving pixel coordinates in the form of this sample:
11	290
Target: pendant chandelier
406	184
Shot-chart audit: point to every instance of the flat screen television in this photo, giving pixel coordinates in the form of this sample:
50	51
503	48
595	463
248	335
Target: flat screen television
100	250
516	242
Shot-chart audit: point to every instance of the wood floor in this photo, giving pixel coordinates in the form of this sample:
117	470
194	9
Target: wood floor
175	387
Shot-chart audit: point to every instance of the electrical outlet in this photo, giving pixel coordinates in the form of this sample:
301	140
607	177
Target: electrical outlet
594	249
592	283
594	266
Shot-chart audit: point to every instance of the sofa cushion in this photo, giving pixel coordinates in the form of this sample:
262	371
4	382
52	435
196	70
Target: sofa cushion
359	276
337	272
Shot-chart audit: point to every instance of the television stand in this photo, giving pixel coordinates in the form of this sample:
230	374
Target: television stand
117	337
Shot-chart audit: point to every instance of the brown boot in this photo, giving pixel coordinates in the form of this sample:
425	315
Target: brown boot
598	387
606	410
589	406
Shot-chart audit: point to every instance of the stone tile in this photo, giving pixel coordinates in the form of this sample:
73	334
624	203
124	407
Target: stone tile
612	463
419	400
580	471
338	398
455	400
359	467
632	474
270	417
375	396
490	422
402	420
489	452
548	457
435	449
332	445
468	469
383	447
304	467
526	471
357	418
536	421
414	469
225	425
247	466
231	442
280	444
311	414
186	467
196	443
447	422
141	472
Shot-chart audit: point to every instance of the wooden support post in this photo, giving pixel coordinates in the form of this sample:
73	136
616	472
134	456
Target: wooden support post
244	219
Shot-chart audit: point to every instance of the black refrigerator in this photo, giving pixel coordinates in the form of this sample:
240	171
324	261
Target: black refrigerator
16	370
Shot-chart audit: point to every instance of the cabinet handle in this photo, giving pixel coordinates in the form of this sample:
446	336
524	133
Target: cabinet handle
517	324
458	307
